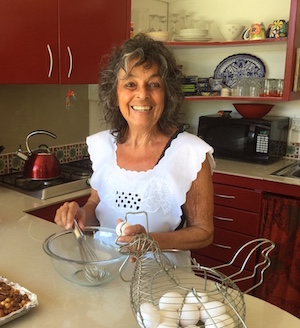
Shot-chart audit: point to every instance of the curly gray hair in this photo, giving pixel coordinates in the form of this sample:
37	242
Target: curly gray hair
147	52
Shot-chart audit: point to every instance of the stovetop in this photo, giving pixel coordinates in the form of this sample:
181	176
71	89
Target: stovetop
74	176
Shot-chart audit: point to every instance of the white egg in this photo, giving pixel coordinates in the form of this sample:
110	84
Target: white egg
189	315
212	309
167	325
147	307
120	227
171	300
167	315
197	298
149	317
221	321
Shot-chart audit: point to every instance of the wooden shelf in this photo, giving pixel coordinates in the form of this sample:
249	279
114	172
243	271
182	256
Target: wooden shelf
261	99
226	43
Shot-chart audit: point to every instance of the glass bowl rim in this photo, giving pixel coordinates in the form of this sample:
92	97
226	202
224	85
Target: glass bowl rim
55	235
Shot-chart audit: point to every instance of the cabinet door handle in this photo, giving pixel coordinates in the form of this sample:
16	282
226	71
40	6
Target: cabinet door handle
221	246
225	196
51	60
70	62
222	219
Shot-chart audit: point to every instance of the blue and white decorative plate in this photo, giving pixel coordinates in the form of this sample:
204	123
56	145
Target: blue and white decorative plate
239	66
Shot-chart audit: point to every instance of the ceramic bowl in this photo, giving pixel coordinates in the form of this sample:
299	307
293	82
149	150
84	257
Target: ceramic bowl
231	32
159	36
62	248
253	110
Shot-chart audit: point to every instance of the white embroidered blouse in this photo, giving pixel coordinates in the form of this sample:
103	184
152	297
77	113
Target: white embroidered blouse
160	192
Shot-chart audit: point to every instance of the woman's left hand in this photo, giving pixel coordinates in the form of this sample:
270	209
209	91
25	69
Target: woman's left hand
130	231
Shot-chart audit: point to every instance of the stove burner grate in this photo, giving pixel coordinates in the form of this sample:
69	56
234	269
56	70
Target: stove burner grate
74	176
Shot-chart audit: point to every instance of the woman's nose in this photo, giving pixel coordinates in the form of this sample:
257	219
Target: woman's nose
143	92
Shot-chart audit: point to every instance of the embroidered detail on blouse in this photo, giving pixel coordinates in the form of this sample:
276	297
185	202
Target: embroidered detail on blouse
153	194
128	200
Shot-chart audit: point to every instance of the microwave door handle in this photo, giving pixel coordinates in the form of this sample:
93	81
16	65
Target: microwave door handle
251	140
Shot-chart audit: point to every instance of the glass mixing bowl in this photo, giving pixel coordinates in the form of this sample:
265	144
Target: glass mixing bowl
63	249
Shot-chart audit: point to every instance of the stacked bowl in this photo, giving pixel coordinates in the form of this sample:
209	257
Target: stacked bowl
159	35
193	34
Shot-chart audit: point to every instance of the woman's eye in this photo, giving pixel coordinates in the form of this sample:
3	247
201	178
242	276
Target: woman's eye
154	85
129	85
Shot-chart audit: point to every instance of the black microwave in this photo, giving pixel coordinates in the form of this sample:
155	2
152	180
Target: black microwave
259	140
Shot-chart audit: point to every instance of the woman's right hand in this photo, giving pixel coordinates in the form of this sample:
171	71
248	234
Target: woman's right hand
65	215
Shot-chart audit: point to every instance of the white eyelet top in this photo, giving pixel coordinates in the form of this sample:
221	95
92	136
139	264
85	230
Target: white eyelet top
160	192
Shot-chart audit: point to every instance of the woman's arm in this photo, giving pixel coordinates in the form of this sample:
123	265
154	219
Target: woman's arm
198	211
85	215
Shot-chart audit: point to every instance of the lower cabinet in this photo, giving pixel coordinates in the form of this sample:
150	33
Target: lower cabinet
48	212
236	220
281	223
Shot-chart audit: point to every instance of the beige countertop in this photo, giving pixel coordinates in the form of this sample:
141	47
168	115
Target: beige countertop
256	171
63	304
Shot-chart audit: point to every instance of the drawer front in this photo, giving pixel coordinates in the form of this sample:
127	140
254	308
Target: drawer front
227	271
236	220
236	197
225	245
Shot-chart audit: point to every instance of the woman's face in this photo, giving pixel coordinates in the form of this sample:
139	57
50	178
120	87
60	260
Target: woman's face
141	96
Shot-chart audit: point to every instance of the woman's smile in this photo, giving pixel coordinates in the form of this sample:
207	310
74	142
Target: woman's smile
141	108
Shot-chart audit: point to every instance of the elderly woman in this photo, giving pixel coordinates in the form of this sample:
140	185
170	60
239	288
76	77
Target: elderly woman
145	162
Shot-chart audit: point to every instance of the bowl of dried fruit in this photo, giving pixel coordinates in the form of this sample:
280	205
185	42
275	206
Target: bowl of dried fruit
64	252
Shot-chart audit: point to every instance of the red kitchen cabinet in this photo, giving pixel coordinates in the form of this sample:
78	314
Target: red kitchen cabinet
236	220
59	41
28	34
88	29
48	212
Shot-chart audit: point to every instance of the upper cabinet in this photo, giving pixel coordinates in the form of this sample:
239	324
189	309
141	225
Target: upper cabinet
59	41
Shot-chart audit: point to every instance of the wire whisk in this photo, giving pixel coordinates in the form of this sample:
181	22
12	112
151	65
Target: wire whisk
93	272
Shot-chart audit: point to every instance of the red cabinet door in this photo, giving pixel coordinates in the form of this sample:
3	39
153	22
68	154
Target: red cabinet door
29	43
48	212
59	41
88	29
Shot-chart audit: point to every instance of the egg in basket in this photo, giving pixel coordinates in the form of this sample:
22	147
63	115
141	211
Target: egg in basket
164	295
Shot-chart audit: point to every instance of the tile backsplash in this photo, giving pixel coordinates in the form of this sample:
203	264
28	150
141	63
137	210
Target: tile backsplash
10	162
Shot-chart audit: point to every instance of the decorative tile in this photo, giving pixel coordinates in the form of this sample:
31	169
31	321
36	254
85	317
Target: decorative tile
59	153
293	150
84	150
15	163
3	164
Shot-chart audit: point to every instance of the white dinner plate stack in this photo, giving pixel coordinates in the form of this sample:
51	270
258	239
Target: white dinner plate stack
193	34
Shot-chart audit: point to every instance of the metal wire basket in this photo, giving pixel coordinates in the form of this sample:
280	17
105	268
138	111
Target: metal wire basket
163	295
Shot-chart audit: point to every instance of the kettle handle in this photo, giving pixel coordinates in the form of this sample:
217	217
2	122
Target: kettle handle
37	132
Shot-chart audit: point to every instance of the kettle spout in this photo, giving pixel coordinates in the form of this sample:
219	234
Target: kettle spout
21	155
